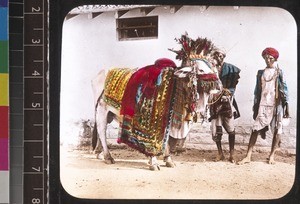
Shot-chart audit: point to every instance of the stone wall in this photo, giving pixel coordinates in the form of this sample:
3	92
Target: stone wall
200	137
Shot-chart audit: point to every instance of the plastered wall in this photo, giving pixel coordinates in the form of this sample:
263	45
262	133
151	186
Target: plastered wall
89	45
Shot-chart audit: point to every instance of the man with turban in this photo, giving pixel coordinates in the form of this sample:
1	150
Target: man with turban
229	76
270	104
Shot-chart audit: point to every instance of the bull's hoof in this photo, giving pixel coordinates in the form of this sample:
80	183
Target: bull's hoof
109	161
153	164
154	167
244	161
170	164
99	156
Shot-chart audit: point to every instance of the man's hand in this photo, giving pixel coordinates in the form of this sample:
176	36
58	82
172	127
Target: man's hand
286	113
255	110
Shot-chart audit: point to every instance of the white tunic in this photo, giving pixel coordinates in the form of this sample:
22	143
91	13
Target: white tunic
266	111
268	80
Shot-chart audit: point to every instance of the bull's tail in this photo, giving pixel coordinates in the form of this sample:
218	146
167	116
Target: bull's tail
94	136
95	131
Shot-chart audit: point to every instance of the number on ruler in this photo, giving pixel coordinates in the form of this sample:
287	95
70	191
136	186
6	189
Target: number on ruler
36	9
35	200
35	105
35	73
37	169
36	41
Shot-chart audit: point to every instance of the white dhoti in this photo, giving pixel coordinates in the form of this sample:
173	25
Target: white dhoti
268	116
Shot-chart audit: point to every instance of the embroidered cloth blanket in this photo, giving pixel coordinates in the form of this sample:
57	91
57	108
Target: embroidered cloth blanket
143	97
146	110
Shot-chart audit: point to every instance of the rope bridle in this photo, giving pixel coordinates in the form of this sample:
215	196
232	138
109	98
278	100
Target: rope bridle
225	92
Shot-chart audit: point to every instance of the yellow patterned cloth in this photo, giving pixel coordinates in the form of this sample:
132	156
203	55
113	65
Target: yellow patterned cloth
147	130
115	84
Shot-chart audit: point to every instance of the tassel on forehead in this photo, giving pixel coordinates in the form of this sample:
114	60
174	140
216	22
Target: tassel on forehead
270	51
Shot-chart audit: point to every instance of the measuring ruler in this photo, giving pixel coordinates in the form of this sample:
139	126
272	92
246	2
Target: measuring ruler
35	172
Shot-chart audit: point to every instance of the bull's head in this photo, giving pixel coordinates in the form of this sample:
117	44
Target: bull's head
199	70
200	79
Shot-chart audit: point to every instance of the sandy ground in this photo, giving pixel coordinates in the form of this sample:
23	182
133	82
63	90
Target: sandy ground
196	176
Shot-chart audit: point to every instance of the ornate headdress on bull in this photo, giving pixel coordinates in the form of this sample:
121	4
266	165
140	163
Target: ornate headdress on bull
199	68
201	48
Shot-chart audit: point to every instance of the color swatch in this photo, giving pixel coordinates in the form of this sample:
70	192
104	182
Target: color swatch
4	104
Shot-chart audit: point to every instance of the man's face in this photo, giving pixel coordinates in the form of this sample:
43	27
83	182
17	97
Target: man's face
269	60
219	57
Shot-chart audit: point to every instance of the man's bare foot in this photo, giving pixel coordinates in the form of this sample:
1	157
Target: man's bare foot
232	160
244	161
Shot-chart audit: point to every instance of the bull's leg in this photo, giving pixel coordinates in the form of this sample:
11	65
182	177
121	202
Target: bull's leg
98	148
231	138
96	143
251	144
101	127
154	165
167	157
275	145
172	142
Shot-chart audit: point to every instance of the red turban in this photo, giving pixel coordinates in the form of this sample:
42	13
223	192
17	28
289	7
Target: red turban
270	51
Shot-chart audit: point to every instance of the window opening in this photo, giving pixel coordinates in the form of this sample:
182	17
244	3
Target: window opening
137	28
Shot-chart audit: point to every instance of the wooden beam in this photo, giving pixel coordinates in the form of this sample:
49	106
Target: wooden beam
174	9
69	16
121	13
95	14
146	11
203	8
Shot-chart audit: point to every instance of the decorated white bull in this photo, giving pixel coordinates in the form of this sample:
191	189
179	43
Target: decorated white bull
154	102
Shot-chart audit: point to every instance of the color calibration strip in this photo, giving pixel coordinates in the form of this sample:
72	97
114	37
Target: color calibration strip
35	172
4	104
